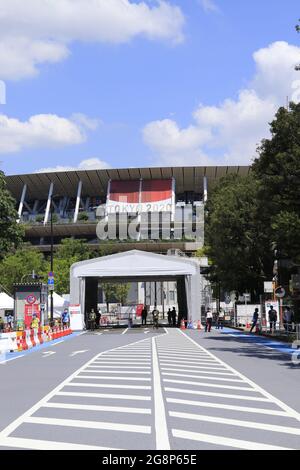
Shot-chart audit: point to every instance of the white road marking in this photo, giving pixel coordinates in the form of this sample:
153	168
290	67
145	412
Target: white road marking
200	370
142	379
237	422
245	409
123	333
74	353
117	367
114	409
48	353
17	422
58	342
109	371
161	427
204	384
172	363
104	395
215	394
37	444
290	411
223	379
184	361
224	441
12	359
134	387
76	423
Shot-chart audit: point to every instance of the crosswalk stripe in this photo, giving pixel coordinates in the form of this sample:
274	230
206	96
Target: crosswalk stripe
141	379
135	387
76	423
224	406
117	367
105	395
204	384
215	394
237	422
171	363
118	409
224	441
37	444
109	371
182	360
222	379
200	370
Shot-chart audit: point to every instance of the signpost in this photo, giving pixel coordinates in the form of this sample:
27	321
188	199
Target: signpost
279	294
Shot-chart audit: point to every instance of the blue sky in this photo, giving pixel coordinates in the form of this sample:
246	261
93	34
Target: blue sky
187	92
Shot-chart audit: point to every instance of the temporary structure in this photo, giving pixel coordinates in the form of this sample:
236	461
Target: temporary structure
6	302
140	266
59	304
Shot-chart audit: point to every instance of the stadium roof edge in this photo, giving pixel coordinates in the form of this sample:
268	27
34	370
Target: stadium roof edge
188	178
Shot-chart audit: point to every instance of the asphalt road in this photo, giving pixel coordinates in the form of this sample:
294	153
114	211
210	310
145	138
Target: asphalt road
140	389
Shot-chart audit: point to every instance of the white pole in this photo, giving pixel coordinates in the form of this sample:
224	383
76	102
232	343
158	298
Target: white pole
22	202
48	203
205	191
77	201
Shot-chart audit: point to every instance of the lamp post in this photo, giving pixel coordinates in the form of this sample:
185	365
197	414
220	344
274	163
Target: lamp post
51	258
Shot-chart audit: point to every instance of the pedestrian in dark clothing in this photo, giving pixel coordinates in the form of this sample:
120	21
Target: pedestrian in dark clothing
254	319
144	316
169	317
92	319
272	318
173	315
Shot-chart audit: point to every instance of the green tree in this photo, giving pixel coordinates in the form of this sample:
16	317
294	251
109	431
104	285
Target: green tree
18	266
11	232
277	169
115	293
70	251
235	236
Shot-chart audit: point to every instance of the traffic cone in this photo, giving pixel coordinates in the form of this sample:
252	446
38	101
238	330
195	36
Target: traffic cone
182	325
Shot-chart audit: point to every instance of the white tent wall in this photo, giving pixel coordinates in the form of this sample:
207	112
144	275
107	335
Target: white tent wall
138	264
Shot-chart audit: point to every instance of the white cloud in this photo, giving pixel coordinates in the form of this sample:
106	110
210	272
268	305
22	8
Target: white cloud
232	130
36	31
41	130
88	164
209	6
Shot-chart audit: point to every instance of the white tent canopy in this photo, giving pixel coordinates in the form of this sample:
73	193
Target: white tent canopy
6	302
138	265
59	304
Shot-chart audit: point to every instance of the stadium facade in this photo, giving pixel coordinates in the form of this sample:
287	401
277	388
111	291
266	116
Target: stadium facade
147	199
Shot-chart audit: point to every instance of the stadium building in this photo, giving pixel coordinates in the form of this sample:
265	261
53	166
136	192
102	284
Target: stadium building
144	209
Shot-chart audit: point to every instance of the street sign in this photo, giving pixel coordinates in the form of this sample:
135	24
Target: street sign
247	297
280	292
268	287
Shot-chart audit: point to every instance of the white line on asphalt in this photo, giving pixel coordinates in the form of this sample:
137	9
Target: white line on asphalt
17	422
134	387
123	333
224	441
75	353
222	379
117	409
161	427
76	423
38	444
199	370
105	395
88	371
246	409
291	412
117	367
58	342
172	363
122	359
203	384
182	391
141	379
185	360
237	422
128	356
12	359
48	353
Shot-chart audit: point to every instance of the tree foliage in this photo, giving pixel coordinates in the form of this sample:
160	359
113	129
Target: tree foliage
11	232
115	292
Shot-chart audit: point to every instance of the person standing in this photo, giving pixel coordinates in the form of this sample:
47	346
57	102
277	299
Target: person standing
169	317
272	318
1	324
209	319
35	321
155	314
287	318
98	317
173	315
254	319
144	315
10	321
220	321
92	319
65	318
